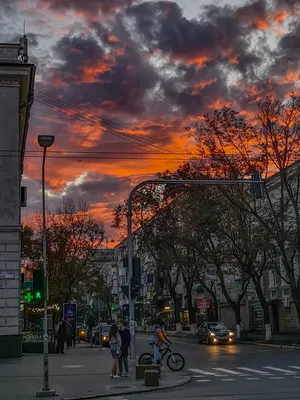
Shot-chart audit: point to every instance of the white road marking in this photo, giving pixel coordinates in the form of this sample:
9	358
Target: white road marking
252	379
227	379
197	376
296	377
285	371
200	371
256	371
293	366
204	380
229	371
276	377
73	366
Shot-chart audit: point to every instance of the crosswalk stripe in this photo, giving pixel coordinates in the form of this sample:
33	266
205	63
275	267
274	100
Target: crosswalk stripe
256	371
204	380
285	371
296	377
293	366
252	379
227	379
200	371
197	376
229	371
276	377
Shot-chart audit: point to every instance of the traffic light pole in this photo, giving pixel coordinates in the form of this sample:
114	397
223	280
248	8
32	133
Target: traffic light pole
46	392
131	301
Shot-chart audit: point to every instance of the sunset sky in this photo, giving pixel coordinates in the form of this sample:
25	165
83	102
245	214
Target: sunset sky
134	74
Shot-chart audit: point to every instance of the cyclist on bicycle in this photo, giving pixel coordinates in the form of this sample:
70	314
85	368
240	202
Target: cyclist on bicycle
158	340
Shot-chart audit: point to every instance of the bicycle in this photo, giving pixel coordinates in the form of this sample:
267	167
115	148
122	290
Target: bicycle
175	361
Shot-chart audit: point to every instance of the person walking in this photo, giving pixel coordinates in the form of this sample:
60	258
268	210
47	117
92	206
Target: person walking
125	339
61	335
115	348
69	334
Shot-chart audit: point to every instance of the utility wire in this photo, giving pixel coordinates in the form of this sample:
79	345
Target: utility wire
65	106
97	124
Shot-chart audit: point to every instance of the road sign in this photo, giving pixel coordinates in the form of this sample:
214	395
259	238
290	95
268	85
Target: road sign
69	312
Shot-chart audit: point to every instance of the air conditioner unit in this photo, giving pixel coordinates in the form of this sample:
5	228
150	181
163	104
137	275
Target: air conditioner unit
286	302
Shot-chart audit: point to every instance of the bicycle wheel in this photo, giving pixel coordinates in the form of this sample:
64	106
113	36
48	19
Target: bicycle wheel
148	357
175	362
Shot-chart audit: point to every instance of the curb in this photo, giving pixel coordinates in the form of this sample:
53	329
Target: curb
182	382
278	346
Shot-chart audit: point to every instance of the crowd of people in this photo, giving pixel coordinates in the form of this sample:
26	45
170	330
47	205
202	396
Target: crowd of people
65	332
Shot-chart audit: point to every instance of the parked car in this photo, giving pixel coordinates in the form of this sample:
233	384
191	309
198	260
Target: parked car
215	333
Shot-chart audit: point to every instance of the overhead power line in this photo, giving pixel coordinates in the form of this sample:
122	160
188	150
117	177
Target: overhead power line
110	127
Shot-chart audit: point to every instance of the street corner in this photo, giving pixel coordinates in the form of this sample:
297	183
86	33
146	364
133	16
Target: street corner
129	387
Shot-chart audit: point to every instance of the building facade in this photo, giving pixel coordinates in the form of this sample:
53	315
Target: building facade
16	97
274	282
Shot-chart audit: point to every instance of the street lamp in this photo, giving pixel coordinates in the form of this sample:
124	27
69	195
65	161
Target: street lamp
256	182
45	141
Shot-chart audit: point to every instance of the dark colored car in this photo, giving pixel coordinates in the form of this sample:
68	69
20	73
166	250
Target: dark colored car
214	333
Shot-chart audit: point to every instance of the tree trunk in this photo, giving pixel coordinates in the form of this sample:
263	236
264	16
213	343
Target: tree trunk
192	312
176	312
264	304
296	300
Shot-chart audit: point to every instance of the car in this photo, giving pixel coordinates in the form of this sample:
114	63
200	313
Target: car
104	334
82	333
215	333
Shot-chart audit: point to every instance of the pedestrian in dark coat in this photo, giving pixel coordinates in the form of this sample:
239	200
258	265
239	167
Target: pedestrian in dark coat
61	335
126	339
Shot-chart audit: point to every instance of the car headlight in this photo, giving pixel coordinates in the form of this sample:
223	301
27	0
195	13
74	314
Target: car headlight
230	333
212	334
104	338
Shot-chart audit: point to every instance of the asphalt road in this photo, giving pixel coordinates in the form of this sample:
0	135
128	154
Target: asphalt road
235	372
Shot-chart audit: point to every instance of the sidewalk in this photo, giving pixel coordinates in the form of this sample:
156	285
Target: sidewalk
80	373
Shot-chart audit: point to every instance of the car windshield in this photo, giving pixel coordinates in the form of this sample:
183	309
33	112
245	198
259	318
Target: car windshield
105	330
217	327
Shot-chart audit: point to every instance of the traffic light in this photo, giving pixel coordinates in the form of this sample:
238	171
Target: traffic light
38	285
113	308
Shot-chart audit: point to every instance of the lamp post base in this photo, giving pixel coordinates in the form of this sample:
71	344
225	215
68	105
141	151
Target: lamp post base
45	393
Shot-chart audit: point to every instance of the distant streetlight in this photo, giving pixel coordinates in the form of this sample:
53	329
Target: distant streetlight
45	141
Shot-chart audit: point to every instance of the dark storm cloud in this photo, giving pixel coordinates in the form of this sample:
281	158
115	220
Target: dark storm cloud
254	13
99	188
163	25
88	6
76	53
121	80
287	57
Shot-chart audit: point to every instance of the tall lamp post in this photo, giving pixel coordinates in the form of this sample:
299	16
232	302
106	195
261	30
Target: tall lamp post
258	186
45	141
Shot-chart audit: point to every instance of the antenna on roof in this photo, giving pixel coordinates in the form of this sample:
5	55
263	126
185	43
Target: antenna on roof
23	47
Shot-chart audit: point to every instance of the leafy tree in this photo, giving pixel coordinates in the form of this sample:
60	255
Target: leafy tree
235	149
73	236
